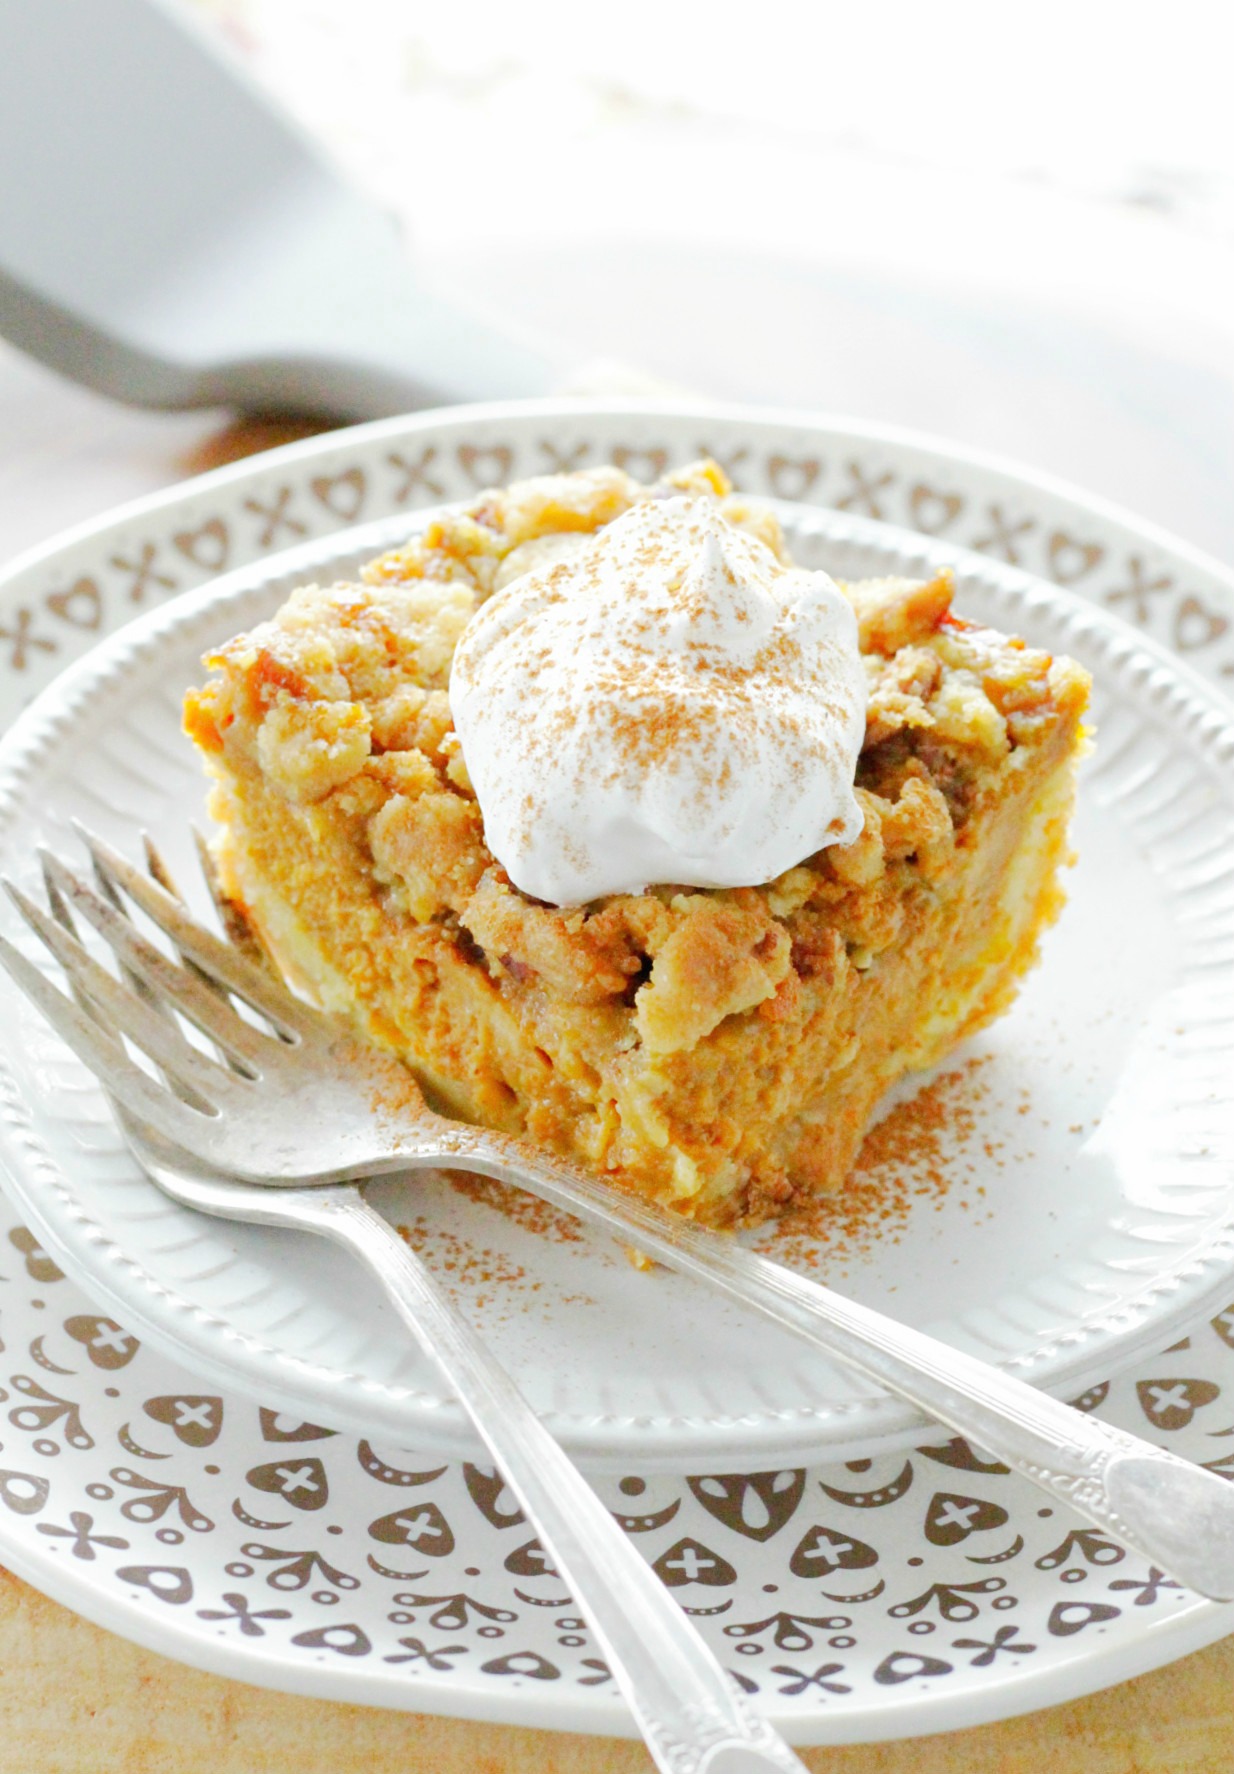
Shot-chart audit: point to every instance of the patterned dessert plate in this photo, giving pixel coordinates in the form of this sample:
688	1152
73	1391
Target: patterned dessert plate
914	1592
1059	1198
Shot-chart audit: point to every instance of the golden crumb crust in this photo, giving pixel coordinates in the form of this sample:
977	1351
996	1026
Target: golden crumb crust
717	1050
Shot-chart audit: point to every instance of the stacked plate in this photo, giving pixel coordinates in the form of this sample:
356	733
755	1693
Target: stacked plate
224	1447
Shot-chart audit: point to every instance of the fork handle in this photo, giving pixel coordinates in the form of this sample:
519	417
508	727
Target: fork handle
691	1714
1178	1515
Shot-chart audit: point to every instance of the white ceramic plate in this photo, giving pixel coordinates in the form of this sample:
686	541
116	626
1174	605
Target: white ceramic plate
1093	1203
102	1436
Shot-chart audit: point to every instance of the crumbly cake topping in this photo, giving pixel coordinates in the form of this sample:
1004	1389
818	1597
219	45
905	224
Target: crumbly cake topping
340	701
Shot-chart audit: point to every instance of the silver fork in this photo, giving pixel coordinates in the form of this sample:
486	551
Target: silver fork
301	1107
691	1714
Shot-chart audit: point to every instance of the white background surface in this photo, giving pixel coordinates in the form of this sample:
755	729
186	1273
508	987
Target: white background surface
1012	228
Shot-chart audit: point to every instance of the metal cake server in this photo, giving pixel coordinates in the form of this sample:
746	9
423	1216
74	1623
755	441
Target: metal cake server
293	1111
169	238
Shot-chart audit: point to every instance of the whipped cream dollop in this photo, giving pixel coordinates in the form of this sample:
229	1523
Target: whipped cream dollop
668	703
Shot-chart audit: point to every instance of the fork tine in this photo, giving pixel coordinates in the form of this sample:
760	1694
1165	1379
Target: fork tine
55	899
214	956
157	868
154	976
103	1054
152	1032
61	911
235	927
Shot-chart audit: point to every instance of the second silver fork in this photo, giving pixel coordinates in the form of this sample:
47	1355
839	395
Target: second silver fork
691	1714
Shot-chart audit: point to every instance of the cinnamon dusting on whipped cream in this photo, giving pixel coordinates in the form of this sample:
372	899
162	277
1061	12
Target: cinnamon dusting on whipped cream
666	704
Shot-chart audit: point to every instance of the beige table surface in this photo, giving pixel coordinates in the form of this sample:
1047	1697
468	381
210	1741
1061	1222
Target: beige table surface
75	1699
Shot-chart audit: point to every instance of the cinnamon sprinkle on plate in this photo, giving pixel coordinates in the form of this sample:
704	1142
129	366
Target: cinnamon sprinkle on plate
910	1161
